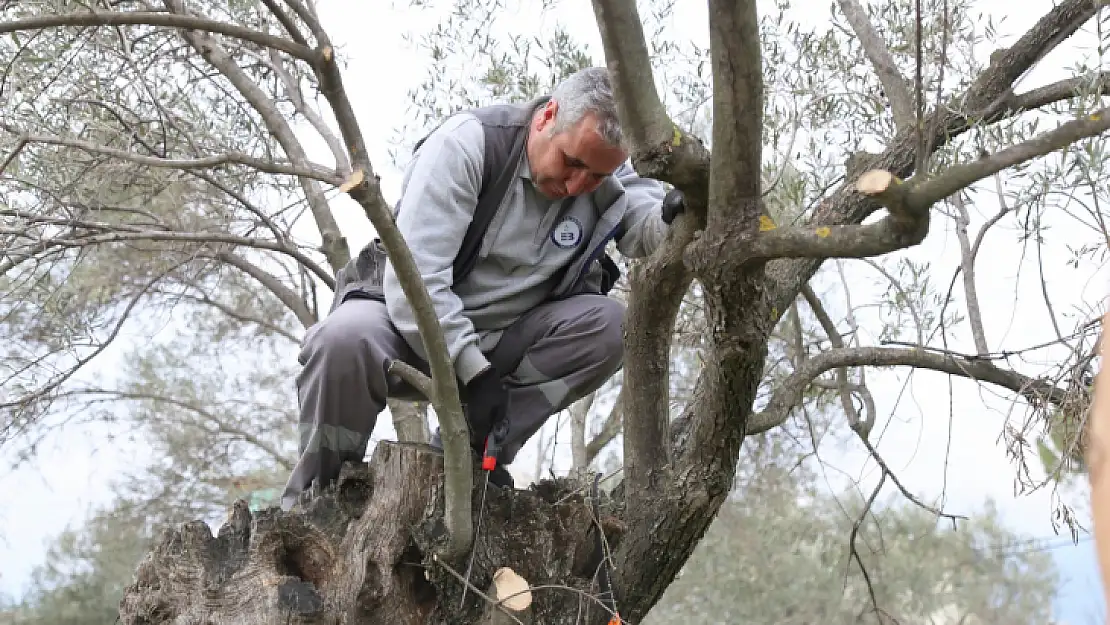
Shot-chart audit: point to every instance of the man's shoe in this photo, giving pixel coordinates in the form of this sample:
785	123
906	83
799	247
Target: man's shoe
501	477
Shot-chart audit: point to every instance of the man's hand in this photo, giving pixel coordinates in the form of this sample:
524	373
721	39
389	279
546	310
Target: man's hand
673	204
487	404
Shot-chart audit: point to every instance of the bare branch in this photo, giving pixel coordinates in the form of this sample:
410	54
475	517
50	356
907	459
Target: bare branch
609	428
364	188
286	295
314	172
296	96
140	234
286	21
187	23
889	234
895	85
967	268
842	384
854	552
1090	84
1037	392
579	411
414	377
657	284
19	145
334	244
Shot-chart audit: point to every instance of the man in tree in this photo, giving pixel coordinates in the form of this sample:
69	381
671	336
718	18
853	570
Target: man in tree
507	211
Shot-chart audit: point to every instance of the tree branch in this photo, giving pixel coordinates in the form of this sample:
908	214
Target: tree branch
967	268
333	243
363	186
985	101
657	284
185	22
930	191
609	428
908	203
1097	83
1037	392
643	117
314	172
296	96
286	295
204	299
895	85
579	412
843	386
286	21
122	233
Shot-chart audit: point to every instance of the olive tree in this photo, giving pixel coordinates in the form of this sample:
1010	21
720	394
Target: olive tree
153	165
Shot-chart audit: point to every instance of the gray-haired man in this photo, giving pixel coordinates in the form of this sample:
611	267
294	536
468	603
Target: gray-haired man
507	210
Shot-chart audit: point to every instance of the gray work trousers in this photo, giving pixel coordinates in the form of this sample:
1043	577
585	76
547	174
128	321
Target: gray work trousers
555	354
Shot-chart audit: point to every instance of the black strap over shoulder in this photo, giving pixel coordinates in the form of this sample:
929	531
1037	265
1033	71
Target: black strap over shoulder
489	199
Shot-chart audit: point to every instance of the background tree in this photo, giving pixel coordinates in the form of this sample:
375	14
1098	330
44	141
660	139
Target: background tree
110	212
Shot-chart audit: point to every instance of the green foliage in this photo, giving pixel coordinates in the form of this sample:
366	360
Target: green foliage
780	552
86	570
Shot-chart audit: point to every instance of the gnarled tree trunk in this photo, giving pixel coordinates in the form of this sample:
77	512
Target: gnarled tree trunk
361	552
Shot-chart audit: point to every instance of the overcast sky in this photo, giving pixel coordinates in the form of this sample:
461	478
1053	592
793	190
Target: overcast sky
963	457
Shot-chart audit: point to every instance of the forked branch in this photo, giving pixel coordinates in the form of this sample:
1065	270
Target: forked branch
907	202
661	151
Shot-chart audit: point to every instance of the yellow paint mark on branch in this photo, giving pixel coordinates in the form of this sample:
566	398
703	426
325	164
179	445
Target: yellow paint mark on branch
824	231
677	140
766	223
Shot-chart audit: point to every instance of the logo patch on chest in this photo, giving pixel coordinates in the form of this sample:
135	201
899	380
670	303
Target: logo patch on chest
567	233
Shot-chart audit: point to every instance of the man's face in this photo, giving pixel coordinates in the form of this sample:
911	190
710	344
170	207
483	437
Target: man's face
571	162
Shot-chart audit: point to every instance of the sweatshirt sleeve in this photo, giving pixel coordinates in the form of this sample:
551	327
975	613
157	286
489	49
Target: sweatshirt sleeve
438	198
642	226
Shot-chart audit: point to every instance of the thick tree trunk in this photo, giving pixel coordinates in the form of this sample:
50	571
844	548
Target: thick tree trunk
361	553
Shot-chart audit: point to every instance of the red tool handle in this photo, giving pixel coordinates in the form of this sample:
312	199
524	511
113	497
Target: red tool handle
493	445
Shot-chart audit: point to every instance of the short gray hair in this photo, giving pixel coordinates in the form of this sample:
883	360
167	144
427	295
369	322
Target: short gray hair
588	91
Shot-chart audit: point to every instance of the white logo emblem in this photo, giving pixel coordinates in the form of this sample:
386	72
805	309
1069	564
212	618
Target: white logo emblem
567	233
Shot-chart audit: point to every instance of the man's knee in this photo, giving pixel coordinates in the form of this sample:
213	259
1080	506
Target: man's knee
353	336
603	322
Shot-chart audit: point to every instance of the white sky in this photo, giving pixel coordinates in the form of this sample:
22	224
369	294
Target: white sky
381	70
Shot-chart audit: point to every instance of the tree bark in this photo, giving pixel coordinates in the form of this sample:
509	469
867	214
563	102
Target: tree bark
410	420
364	552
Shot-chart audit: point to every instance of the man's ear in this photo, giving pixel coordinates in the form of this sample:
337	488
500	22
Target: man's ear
546	115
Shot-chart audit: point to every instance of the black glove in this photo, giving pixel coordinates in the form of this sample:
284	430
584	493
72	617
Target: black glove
487	403
673	204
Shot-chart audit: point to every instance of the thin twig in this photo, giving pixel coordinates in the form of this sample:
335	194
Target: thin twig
852	542
467	584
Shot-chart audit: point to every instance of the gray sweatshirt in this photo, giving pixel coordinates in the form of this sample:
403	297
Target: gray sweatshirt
534	250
